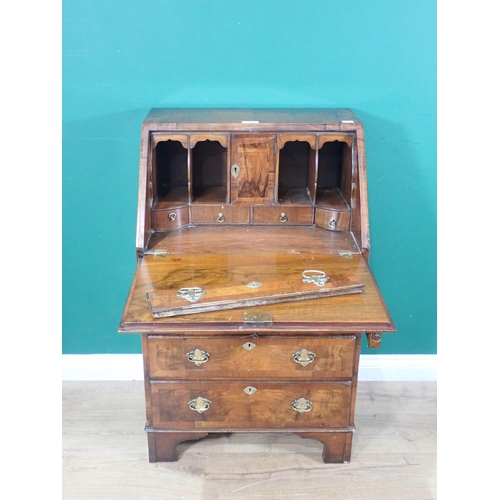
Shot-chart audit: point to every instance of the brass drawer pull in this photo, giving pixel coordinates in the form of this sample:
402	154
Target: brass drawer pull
304	357
332	223
221	218
191	293
198	357
283	217
302	405
199	404
172	216
319	278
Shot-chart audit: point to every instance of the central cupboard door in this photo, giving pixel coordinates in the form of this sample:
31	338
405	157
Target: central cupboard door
253	167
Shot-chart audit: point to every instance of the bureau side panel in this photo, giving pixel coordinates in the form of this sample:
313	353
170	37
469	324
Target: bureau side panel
147	385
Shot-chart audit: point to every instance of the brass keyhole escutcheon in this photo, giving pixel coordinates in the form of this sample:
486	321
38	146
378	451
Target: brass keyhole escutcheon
235	170
249	346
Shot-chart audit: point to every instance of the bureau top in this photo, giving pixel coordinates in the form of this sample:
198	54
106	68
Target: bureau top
238	116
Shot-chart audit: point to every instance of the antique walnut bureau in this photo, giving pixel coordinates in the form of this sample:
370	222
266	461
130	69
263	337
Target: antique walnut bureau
251	215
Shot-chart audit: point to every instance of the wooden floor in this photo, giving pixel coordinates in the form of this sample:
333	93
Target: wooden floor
105	452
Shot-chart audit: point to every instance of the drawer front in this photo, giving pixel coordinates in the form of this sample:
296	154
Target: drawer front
332	220
168	219
250	405
282	215
269	358
220	214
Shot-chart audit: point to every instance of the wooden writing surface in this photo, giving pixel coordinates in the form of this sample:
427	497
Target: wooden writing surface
171	302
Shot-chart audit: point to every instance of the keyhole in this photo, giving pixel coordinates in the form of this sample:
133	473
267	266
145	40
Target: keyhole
235	170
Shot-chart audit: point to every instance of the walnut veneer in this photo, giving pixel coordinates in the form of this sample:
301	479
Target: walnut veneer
227	197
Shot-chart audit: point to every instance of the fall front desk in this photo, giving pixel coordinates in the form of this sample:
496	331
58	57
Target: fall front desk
252	290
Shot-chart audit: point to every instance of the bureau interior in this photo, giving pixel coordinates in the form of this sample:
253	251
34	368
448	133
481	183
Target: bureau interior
296	173
306	175
170	175
209	167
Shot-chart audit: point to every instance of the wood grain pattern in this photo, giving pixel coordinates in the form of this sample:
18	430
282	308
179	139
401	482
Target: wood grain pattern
287	170
220	214
275	290
321	126
271	358
256	156
232	408
282	215
222	139
105	457
324	138
168	219
361	311
283	239
332	220
309	138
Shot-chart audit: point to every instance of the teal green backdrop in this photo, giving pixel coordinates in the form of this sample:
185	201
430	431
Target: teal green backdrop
120	58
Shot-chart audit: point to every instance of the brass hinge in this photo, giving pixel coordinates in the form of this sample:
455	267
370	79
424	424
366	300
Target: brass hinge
157	254
345	254
258	318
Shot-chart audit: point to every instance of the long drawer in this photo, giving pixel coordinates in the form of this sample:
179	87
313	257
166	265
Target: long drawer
261	358
250	404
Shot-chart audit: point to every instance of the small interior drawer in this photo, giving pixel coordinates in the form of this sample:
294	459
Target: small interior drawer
170	218
271	358
283	215
250	404
332	219
220	214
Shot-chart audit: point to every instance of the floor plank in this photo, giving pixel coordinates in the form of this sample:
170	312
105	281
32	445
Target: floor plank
105	452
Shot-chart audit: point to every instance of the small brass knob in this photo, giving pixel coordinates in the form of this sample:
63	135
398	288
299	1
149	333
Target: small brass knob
332	223
221	218
283	217
172	216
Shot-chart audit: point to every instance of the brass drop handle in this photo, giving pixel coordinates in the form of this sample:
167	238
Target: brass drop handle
198	357
283	217
221	218
172	216
190	293
304	357
302	405
199	404
332	223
